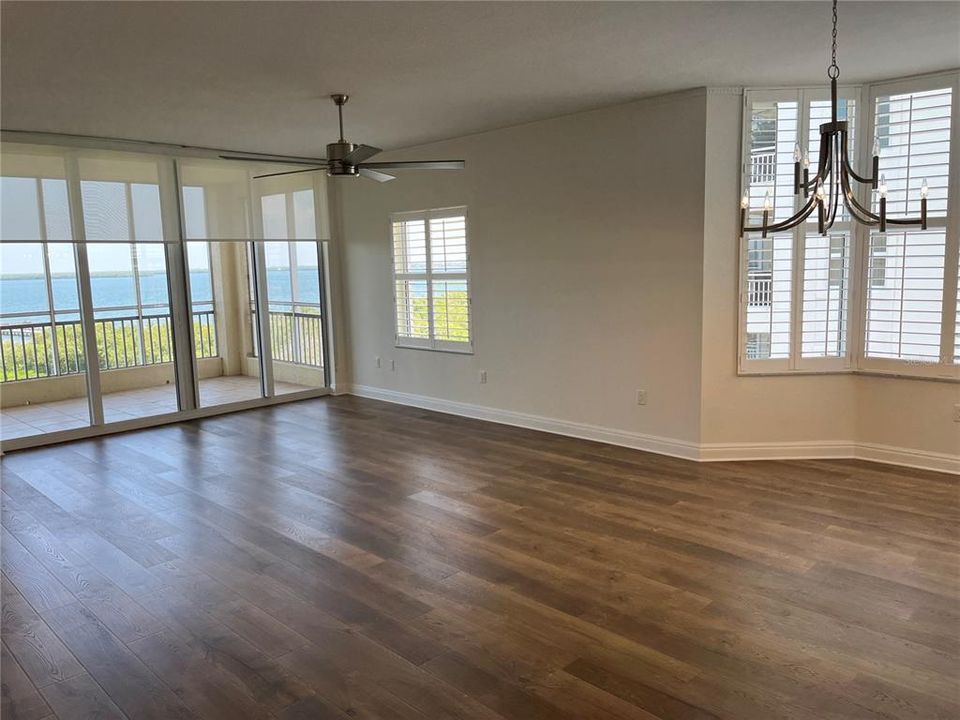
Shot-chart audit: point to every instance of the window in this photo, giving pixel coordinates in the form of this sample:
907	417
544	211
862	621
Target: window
431	280
293	277
110	260
906	312
795	284
758	345
800	291
877	266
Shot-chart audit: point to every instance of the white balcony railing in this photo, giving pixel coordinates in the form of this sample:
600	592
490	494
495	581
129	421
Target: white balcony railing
760	290
53	349
763	166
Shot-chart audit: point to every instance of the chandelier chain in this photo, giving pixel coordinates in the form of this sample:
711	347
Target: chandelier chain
834	70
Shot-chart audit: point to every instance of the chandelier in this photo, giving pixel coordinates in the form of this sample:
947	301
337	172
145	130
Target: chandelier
823	192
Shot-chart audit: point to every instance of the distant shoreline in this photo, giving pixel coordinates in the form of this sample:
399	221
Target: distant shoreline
122	273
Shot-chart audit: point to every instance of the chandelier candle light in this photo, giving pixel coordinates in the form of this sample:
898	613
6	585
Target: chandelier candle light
835	170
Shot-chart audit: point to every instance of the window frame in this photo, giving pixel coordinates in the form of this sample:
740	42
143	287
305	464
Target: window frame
946	368
855	360
795	363
430	342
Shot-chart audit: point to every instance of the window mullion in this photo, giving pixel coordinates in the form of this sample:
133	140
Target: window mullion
429	274
799	244
951	269
860	234
48	278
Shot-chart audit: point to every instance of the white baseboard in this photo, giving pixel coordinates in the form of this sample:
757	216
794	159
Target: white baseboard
808	450
908	457
651	443
685	449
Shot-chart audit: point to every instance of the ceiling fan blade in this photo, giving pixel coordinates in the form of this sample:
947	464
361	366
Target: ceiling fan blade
418	165
375	175
288	172
247	158
361	153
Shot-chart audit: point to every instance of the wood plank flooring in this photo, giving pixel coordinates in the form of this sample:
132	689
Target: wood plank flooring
343	558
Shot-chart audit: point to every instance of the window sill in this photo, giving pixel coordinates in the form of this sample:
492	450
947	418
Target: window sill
867	372
468	350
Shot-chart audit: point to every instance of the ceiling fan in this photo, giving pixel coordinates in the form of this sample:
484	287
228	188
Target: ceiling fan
345	159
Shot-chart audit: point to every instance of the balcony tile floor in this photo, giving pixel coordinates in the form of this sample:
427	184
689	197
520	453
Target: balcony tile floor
29	420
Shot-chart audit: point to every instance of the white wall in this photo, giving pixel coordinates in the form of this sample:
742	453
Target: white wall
586	240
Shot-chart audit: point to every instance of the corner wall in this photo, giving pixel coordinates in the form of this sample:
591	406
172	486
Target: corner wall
752	416
890	419
586	259
604	260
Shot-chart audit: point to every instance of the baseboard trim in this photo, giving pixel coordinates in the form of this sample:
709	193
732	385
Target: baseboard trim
908	457
638	441
808	450
685	449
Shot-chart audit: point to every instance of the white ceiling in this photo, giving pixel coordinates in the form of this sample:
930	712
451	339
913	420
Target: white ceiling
255	76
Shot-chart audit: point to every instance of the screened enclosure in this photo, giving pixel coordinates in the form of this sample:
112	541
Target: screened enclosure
137	287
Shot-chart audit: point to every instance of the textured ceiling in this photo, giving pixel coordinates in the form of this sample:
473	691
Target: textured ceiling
255	76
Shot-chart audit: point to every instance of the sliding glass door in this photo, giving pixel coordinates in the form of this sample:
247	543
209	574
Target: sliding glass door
43	366
217	220
124	234
135	287
294	286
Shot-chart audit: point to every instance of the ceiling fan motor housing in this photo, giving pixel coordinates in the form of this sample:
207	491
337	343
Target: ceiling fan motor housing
336	167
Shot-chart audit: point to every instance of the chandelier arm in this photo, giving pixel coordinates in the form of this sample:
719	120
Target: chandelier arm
823	163
822	166
869	222
872	181
787	224
866	217
858	210
811	184
836	185
853	173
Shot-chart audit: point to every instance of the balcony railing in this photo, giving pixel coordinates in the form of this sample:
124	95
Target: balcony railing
763	165
52	349
296	337
46	349
760	290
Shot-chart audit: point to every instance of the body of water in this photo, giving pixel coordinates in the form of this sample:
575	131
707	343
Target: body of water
26	295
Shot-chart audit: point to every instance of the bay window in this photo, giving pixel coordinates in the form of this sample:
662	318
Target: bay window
855	299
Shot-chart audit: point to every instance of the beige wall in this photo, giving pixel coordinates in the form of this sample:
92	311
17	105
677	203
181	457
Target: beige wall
750	409
911	414
586	238
824	409
604	260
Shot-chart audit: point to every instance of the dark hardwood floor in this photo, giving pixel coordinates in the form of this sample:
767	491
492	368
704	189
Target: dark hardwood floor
344	558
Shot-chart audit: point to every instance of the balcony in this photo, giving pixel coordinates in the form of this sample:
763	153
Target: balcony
759	289
763	165
43	365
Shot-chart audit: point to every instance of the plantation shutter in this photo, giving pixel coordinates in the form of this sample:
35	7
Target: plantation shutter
431	281
773	133
905	292
825	262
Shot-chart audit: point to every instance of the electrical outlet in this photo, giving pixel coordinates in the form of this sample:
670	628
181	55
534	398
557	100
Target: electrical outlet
641	397
379	362
393	365
956	413
483	377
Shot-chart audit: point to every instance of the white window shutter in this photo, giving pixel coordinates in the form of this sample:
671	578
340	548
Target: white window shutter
906	268
431	280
